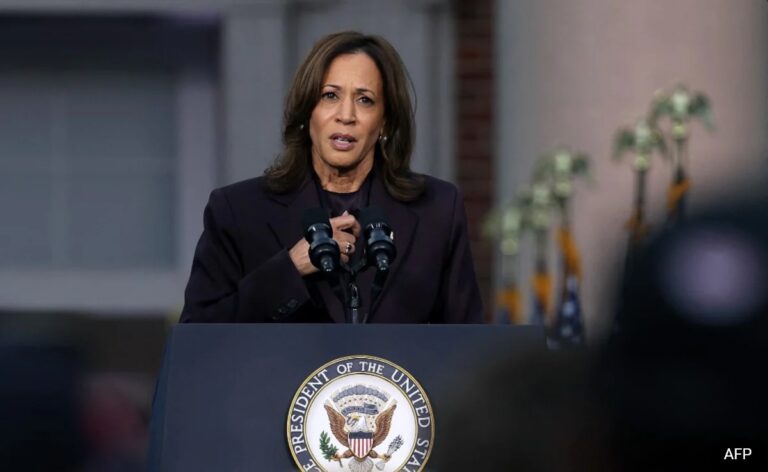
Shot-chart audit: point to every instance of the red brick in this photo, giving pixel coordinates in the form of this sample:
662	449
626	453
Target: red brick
467	170
474	9
479	85
475	148
476	189
475	128
475	131
474	62
475	28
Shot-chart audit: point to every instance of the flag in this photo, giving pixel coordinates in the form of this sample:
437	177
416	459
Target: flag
508	309
542	288
676	194
568	330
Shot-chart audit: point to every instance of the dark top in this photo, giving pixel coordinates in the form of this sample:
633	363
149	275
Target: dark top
352	202
242	271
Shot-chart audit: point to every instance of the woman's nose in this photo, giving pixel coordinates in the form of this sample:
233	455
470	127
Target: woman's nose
346	113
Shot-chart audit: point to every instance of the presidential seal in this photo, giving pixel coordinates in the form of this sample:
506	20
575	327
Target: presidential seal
360	414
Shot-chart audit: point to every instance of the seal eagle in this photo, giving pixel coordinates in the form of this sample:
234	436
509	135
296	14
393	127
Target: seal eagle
360	418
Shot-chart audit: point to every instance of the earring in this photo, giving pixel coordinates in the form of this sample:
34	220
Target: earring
382	145
301	126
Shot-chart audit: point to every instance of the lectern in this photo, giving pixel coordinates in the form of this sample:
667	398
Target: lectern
225	390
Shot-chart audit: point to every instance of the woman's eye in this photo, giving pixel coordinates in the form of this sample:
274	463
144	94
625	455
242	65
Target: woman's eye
366	100
328	95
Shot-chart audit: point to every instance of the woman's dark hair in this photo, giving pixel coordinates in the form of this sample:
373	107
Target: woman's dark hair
394	154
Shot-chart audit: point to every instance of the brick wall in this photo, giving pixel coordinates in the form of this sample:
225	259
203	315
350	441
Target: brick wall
474	126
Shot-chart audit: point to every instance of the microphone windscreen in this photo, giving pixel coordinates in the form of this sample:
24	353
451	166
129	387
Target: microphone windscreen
313	216
372	215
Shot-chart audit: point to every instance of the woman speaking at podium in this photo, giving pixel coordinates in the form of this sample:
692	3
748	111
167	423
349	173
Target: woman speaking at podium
348	133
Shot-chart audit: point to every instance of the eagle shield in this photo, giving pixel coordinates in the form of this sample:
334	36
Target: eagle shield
360	443
360	417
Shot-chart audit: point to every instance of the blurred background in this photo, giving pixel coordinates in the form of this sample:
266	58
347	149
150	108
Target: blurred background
118	117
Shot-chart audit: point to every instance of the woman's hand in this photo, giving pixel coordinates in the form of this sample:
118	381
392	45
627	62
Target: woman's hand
346	230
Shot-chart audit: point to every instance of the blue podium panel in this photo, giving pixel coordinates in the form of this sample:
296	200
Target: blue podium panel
224	391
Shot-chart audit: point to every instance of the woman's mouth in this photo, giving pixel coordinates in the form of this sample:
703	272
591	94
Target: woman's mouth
342	142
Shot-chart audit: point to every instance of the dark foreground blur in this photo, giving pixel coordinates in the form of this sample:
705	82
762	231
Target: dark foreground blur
679	386
75	391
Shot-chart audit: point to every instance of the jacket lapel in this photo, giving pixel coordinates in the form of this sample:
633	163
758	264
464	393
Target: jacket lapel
403	222
287	222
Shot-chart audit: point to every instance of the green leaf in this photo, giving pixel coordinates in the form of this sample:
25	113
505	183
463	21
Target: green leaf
328	449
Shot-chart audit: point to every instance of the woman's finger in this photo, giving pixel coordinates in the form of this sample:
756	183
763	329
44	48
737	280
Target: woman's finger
344	222
346	241
356	229
346	245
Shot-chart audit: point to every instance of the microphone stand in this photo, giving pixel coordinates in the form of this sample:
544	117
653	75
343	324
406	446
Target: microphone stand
354	300
347	290
349	296
378	284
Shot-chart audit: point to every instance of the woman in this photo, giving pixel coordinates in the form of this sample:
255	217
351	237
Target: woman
348	136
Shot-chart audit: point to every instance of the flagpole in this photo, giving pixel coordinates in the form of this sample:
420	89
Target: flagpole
542	281
679	186
559	169
681	107
643	140
503	227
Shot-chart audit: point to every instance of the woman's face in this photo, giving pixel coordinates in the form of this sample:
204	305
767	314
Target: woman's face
349	116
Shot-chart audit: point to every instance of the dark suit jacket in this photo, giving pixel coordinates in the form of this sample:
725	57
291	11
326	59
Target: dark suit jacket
242	272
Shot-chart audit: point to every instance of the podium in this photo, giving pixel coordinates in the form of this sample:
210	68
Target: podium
225	390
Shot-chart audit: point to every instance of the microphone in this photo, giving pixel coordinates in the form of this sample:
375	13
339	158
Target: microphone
379	248
323	250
